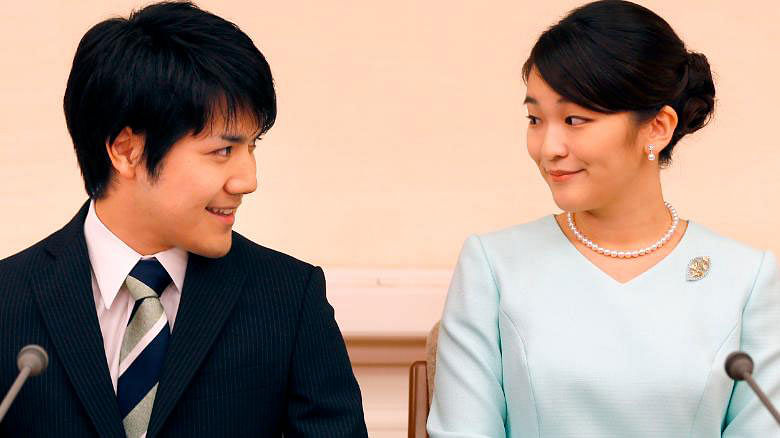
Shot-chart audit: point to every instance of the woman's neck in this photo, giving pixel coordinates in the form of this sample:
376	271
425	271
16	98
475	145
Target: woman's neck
628	222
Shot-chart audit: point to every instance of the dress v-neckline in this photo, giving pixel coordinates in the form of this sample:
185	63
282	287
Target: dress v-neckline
657	266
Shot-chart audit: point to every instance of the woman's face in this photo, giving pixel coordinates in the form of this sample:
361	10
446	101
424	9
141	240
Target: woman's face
588	159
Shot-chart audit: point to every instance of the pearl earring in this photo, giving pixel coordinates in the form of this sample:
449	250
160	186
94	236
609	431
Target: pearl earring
651	155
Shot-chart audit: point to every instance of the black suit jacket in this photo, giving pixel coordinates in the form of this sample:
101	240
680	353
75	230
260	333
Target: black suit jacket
255	350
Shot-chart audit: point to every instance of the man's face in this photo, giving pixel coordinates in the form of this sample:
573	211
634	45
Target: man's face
193	201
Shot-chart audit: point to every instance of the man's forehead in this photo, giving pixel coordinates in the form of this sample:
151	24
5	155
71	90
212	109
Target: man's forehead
240	126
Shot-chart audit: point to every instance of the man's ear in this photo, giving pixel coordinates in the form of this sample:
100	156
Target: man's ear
661	128
125	153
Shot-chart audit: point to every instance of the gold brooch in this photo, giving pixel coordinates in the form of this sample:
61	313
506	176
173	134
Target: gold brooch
698	268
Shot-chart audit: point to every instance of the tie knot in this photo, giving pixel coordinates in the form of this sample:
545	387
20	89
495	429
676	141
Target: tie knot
151	274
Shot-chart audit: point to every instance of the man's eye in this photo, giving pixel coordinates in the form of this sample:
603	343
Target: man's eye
533	120
224	152
574	120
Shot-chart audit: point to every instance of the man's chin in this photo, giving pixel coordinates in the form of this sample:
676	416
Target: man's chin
213	250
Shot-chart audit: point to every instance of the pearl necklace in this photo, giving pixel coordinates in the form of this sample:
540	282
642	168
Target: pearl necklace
626	254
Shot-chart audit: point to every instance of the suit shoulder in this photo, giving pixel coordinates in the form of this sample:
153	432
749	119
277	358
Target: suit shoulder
15	269
255	253
25	257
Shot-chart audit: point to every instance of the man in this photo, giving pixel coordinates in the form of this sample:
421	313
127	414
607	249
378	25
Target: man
158	319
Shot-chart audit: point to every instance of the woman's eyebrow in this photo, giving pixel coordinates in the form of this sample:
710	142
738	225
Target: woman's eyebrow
232	138
532	100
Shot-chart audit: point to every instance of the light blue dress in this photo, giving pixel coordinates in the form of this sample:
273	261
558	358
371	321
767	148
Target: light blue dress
536	341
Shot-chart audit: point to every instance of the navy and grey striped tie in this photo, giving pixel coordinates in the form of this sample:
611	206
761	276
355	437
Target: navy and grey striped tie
143	347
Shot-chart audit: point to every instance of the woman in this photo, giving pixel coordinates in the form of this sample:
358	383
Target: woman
613	319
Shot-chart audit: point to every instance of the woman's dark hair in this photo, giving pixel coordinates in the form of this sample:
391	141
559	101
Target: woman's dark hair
612	56
166	71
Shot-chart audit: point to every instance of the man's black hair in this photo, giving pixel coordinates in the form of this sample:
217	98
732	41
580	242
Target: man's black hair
167	71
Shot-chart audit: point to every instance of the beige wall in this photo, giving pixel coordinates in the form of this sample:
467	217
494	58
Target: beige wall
400	131
400	126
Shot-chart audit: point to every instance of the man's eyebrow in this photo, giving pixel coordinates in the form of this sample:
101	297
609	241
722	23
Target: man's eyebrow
237	138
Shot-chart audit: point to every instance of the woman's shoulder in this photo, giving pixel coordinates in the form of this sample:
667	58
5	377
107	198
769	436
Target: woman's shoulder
537	236
544	226
731	264
729	251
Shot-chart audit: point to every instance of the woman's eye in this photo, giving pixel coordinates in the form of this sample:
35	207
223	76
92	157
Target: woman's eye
533	120
574	120
224	152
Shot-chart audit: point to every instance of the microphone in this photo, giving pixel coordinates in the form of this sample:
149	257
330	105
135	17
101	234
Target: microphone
739	366
32	361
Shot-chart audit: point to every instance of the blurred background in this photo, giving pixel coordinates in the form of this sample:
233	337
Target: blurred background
400	131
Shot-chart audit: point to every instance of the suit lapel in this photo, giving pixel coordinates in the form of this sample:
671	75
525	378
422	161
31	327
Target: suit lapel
63	290
211	288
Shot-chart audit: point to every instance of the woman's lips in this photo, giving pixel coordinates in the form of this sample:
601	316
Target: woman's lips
562	175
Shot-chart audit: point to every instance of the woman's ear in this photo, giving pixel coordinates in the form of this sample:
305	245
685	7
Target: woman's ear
661	129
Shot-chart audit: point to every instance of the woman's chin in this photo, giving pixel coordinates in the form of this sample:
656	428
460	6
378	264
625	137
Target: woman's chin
566	200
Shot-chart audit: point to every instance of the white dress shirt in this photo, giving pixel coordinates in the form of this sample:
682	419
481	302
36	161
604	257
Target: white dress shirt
112	260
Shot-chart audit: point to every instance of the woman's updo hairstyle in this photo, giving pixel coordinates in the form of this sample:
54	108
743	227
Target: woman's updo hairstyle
612	56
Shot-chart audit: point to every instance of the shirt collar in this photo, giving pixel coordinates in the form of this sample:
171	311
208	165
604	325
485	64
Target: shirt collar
112	260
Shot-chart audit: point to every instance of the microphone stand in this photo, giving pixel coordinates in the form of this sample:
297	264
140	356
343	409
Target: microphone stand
32	361
739	366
